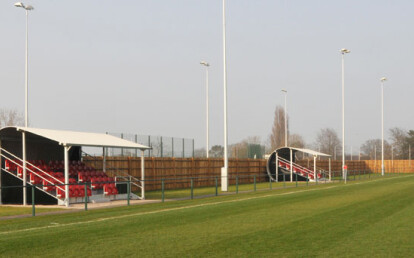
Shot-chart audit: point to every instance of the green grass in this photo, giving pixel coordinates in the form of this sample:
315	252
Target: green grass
361	218
12	211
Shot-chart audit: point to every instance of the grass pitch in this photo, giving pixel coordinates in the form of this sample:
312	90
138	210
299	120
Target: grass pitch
366	218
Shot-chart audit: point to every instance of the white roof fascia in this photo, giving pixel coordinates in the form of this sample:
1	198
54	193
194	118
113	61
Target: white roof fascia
311	152
71	138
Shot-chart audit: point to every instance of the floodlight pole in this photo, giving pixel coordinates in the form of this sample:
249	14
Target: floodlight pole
343	52
286	132
224	170
142	175
204	63
27	8
383	79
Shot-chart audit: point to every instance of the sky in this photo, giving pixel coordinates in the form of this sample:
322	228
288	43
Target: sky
133	66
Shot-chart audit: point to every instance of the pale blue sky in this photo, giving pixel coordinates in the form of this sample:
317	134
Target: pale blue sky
133	66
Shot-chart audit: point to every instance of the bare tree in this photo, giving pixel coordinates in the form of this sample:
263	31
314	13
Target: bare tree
327	140
372	149
399	139
277	137
297	141
10	117
217	151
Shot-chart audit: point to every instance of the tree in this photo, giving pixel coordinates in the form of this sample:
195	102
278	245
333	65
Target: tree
10	117
372	148
241	149
296	140
217	151
277	137
399	139
200	153
327	140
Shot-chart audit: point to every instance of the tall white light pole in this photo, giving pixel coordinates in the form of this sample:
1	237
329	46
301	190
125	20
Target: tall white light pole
286	131
27	8
343	52
383	79
204	63
224	170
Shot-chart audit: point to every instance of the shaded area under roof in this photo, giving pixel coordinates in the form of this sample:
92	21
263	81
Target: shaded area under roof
71	138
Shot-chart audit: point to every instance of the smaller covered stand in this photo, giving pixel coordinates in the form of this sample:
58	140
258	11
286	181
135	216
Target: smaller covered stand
288	154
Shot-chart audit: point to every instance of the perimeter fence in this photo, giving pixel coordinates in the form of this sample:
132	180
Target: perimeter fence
161	146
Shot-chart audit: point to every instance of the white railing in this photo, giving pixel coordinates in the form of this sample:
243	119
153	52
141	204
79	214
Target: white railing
51	183
306	170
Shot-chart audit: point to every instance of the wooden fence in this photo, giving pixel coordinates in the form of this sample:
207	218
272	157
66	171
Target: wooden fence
178	172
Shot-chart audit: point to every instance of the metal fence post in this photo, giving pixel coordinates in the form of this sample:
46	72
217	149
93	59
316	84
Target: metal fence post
296	176
307	180
254	178
122	149
192	189
128	189
162	190
161	146
193	148
33	201
183	149
237	184
284	180
86	196
136	141
216	185
149	145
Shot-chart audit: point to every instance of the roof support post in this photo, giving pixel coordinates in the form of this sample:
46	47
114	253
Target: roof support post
142	175
24	168
276	167
291	163
314	168
330	171
104	159
66	163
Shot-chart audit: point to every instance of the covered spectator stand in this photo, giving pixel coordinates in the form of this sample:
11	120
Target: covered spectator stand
45	145
283	161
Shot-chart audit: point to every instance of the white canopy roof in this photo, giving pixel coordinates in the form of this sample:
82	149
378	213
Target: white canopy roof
311	152
70	138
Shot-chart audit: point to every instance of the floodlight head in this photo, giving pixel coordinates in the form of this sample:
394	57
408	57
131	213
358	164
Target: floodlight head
204	63
26	7
19	4
345	51
285	91
383	79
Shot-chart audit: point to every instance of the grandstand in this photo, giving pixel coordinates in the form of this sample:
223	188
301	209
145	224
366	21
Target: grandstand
281	164
50	161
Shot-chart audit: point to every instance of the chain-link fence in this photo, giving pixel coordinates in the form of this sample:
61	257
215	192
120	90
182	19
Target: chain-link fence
161	146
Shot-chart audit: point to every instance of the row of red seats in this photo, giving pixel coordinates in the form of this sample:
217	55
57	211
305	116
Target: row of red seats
50	184
99	182
87	176
10	165
74	191
110	189
303	171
